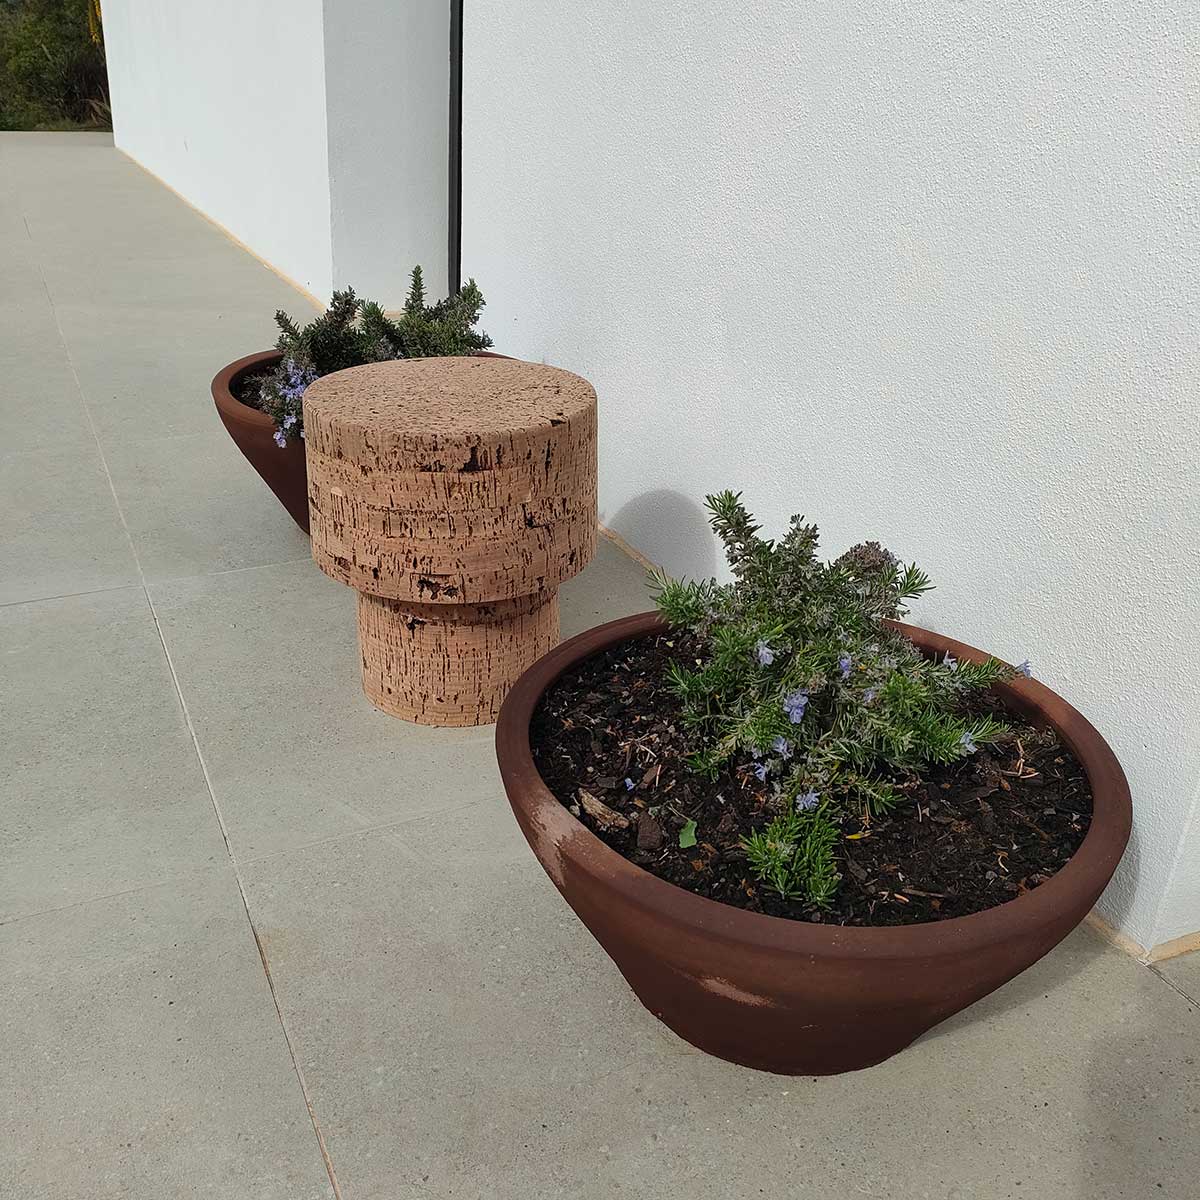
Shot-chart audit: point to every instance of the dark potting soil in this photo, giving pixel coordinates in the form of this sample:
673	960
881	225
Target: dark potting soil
247	389
977	832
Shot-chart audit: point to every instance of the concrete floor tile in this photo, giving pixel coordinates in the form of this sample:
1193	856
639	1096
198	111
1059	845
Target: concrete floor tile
485	998
29	328
156	251
40	405
510	1052
612	586
143	1056
101	789
1184	973
60	531
158	386
195	506
202	270
40	408
268	663
21	273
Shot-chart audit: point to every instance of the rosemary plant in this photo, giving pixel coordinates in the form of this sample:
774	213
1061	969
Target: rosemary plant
801	674
352	332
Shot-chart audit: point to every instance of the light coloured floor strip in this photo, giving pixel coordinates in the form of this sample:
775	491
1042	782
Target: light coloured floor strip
316	1126
319	305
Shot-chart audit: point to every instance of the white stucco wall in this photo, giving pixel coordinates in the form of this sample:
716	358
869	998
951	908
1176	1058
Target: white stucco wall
315	131
926	272
225	102
1177	914
387	79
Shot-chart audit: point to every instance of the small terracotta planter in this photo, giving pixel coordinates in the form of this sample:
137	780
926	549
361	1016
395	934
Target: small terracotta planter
282	469
788	996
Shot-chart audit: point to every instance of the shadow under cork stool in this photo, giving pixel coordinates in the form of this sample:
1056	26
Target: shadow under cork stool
454	495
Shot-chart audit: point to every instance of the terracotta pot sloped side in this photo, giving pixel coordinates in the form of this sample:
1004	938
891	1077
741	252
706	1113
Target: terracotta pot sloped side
282	469
786	996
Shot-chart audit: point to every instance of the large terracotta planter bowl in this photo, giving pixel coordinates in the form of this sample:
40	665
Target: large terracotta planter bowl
789	996
282	469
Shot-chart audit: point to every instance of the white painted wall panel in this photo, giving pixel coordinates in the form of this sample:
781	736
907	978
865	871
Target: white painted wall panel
387	74
225	102
926	272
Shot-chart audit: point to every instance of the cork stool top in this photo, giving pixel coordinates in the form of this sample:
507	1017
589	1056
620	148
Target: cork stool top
451	480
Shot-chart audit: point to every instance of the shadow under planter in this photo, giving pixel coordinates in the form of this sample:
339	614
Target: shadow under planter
788	996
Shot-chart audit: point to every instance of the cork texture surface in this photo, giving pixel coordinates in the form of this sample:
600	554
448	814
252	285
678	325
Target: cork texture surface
451	665
459	484
443	513
419	410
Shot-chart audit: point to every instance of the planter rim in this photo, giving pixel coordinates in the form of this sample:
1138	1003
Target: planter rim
228	403
222	387
1089	868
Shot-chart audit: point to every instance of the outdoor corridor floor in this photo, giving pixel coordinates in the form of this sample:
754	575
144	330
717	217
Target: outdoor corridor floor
260	941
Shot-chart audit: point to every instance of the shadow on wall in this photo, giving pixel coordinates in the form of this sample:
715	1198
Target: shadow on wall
670	529
1116	902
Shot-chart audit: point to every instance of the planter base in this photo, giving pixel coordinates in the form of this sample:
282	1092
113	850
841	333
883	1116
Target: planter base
810	1029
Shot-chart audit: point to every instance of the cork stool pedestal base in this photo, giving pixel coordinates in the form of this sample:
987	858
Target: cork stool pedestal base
451	664
454	495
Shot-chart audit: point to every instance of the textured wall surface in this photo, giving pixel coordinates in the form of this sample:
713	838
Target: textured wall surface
924	272
225	101
315	132
387	79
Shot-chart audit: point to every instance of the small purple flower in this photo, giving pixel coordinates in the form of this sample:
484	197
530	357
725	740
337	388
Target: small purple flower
808	801
950	662
782	747
844	665
761	771
296	379
629	784
764	653
967	742
289	420
869	695
794	705
280	440
1025	669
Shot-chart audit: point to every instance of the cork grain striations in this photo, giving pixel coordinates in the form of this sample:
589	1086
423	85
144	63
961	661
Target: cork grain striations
454	495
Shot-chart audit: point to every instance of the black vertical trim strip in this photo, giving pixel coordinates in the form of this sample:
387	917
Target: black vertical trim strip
454	206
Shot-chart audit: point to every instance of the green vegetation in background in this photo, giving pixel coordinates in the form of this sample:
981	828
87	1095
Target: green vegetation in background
52	69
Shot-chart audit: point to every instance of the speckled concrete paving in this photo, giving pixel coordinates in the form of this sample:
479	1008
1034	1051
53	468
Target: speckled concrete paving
260	941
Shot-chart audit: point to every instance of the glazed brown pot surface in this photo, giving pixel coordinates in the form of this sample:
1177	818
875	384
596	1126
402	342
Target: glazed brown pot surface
789	996
282	469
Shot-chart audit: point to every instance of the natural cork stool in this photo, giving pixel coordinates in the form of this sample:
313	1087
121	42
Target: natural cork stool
454	495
